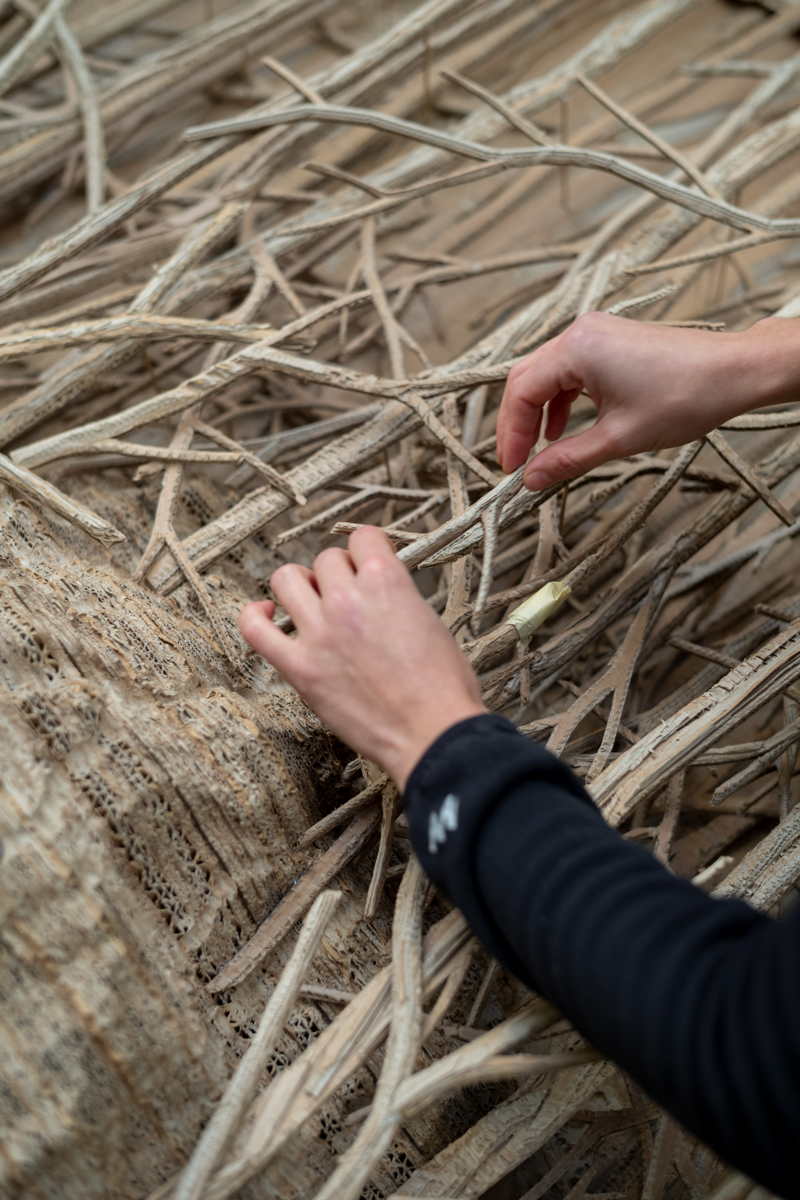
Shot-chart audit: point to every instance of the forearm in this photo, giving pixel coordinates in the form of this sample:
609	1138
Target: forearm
656	974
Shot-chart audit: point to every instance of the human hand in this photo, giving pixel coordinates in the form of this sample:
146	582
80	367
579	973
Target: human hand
654	386
371	658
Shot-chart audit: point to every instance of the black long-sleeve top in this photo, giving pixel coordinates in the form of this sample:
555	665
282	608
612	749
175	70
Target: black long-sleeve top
698	999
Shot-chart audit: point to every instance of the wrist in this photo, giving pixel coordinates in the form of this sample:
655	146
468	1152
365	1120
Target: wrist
400	759
767	364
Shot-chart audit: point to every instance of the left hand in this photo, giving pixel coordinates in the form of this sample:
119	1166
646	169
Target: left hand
654	386
370	657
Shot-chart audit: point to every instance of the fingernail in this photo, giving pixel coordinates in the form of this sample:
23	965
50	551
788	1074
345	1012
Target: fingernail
535	480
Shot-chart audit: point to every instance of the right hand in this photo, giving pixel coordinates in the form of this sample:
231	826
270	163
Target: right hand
654	386
370	656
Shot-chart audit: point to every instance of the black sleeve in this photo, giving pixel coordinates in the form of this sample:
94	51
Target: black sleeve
697	999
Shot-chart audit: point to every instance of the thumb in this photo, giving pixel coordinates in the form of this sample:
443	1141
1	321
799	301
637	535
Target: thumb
571	457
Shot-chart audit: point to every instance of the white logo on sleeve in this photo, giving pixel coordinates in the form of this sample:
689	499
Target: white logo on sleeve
439	823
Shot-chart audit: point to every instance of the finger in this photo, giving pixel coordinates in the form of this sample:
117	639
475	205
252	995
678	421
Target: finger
306	572
519	437
259	631
333	568
558	414
536	381
571	457
267	607
369	542
294	587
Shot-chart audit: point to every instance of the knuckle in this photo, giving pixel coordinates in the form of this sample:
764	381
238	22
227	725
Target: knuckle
566	462
515	391
593	319
338	601
375	567
618	438
586	329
